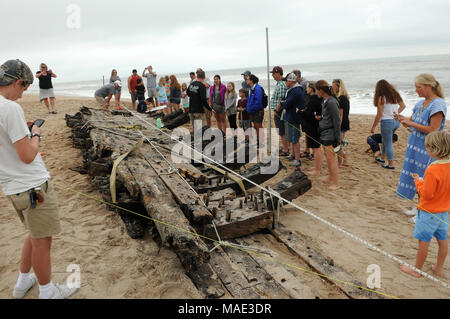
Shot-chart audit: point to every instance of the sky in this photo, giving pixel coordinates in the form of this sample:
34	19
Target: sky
85	39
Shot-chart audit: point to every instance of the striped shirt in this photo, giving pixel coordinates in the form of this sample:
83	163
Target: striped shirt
279	93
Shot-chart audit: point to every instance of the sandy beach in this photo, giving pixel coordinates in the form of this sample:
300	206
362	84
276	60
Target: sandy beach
115	266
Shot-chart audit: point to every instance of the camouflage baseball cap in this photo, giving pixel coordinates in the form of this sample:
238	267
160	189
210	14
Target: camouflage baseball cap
13	70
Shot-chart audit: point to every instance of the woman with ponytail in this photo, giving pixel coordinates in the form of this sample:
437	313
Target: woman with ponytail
330	129
428	116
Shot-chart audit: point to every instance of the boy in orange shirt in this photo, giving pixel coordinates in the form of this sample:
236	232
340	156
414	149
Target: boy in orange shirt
434	203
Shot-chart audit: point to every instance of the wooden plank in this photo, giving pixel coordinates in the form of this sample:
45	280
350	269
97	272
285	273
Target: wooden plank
321	264
290	188
294	286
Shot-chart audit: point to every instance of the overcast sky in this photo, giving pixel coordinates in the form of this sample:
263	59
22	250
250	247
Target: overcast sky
178	36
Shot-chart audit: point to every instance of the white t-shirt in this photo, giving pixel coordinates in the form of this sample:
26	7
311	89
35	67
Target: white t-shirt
15	175
388	111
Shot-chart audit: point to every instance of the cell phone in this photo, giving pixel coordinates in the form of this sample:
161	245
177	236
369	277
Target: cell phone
38	123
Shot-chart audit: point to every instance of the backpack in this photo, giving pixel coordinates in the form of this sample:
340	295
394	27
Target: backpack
142	107
265	99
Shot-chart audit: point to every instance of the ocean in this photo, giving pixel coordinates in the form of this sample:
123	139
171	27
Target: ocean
359	76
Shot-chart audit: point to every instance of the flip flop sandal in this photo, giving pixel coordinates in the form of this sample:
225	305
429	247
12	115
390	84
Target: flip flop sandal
304	155
284	154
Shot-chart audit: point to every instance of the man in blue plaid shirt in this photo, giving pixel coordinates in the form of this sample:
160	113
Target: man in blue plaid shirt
278	95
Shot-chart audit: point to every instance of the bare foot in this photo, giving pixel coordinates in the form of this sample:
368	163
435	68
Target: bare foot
410	271
312	172
436	272
325	180
334	187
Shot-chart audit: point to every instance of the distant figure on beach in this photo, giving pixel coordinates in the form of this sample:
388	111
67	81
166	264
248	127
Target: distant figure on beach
140	90
161	94
310	113
46	87
255	106
292	106
197	101
303	82
344	111
26	182
434	203
245	76
330	130
230	105
114	77
175	92
184	97
428	116
243	117
217	102
279	94
192	76
207	83
389	103
374	142
151	83
132	82
104	94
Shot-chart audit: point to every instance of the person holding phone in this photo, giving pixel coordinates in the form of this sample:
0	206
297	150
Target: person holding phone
26	182
46	92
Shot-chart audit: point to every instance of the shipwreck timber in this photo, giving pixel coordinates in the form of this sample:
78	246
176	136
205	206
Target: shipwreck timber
194	206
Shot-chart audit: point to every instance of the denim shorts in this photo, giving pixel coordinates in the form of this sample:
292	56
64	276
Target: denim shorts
431	224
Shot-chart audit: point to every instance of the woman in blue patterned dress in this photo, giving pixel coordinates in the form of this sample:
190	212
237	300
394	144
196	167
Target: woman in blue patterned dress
428	116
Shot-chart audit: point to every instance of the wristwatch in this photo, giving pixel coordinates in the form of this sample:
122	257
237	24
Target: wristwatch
34	134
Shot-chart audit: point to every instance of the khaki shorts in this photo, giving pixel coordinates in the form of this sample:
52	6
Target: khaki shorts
208	113
42	221
197	117
100	100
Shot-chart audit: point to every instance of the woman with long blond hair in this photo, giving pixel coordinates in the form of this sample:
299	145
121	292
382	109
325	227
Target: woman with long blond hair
118	91
161	95
428	116
389	103
175	92
344	110
46	92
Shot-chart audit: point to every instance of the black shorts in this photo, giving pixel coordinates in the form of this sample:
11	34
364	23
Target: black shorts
334	143
175	101
257	117
312	136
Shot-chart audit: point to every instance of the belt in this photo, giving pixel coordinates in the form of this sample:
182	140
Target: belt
33	189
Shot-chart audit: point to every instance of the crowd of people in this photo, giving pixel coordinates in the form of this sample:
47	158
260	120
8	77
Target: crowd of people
316	108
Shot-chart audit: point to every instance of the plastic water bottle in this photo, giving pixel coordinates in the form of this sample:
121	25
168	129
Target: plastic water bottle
158	123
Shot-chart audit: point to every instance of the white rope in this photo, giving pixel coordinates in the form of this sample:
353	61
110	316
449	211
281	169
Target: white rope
364	242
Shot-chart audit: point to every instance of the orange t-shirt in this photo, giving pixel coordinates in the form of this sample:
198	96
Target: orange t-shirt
434	190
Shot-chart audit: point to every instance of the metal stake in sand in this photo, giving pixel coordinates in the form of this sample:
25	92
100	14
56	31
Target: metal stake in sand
268	91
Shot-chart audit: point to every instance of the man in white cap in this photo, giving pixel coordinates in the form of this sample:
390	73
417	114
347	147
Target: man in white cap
26	182
104	94
292	106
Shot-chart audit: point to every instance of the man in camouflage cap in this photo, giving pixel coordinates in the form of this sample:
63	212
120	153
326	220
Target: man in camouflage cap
14	70
26	182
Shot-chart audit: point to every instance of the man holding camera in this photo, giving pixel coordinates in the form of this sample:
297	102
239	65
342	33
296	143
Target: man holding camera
26	182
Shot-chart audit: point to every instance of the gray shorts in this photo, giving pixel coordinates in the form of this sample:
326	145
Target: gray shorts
151	92
292	132
279	124
133	97
244	124
257	117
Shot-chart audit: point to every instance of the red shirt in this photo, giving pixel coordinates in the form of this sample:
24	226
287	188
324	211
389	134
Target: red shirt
133	82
